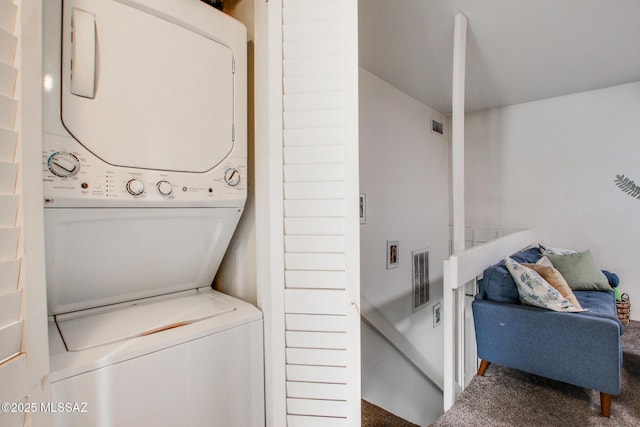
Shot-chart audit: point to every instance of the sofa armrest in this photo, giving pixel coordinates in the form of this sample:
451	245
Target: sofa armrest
581	350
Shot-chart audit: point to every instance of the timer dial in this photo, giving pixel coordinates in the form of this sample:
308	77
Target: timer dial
164	187
232	177
63	164
135	187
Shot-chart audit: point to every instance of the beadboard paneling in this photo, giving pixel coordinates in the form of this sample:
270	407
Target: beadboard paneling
8	11
307	66
317	374
315	83
313	118
315	322
316	391
13	419
8	76
10	307
10	339
320	340
293	12
319	279
316	301
319	136
315	262
314	172
314	190
319	408
8	43
318	111
314	225
8	139
9	242
8	210
8	111
316	357
317	244
9	271
311	155
312	421
14	372
8	177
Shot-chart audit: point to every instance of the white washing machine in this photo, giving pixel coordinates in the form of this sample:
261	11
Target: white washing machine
144	172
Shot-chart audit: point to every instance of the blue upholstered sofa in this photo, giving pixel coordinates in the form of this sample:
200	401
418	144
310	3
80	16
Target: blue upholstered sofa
583	349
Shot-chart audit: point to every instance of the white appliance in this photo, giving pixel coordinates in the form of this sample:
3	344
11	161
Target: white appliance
144	172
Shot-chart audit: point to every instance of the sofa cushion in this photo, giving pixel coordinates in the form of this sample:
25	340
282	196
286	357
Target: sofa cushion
580	271
599	304
536	291
498	285
545	269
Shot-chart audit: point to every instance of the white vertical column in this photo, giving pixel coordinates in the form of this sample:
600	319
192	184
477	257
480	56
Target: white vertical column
269	202
29	123
457	131
453	296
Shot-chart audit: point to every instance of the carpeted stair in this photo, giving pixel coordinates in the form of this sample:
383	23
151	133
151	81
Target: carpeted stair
375	416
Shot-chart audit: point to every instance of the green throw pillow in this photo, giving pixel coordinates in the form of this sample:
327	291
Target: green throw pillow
580	271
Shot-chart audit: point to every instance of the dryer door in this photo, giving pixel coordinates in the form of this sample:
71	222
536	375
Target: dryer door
139	90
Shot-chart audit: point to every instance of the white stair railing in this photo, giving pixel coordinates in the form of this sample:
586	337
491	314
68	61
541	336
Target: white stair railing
460	269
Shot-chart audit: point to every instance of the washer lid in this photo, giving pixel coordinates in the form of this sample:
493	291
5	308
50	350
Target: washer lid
95	327
142	91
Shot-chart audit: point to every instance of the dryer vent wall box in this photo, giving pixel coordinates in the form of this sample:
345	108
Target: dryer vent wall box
145	179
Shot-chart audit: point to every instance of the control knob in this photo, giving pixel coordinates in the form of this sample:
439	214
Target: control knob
232	177
135	187
164	187
63	164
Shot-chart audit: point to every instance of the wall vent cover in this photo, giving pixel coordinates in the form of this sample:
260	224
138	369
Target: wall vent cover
436	127
420	269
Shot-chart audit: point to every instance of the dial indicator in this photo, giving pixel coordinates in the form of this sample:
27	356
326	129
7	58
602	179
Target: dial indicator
63	164
232	177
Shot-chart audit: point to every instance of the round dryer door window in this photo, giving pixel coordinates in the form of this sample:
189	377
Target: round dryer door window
144	92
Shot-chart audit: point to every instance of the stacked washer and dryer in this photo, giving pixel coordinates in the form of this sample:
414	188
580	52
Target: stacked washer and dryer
145	175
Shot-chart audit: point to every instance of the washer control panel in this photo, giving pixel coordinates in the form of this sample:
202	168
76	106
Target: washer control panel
76	178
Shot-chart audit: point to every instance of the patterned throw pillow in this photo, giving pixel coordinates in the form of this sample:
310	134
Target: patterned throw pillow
545	269
534	290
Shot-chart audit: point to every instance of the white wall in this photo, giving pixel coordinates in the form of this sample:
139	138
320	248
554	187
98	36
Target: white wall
404	170
550	165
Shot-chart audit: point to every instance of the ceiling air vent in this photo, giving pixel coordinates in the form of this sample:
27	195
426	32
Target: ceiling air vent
436	127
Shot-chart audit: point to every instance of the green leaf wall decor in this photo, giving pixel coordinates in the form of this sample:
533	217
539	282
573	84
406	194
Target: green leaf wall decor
628	186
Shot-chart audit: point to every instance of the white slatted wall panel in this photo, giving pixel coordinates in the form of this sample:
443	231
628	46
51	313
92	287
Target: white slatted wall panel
320	182
13	362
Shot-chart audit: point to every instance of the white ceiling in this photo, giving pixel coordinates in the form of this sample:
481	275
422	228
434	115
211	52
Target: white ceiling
517	50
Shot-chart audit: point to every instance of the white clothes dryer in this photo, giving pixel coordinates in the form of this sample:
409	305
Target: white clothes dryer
145	179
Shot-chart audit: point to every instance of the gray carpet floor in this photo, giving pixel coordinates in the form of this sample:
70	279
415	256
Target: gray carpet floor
506	397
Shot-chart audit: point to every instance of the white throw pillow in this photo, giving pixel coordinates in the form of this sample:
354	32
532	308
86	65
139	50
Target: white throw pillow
549	250
534	290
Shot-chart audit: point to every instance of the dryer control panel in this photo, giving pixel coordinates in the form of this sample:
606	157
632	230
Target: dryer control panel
74	177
